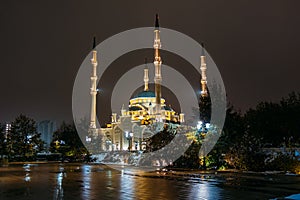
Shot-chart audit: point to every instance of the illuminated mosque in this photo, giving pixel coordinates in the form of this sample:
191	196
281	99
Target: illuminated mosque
129	130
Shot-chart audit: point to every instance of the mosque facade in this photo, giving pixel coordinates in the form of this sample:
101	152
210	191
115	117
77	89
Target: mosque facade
129	130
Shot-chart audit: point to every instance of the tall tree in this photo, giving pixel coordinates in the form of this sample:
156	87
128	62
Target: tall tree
25	140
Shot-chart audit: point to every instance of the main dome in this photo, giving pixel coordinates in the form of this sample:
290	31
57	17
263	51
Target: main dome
145	94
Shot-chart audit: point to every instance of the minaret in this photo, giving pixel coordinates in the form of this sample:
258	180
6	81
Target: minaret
114	118
157	64
94	86
146	76
203	73
181	118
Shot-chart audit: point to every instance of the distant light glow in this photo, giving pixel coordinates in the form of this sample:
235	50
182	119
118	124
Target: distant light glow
88	139
207	125
199	125
27	177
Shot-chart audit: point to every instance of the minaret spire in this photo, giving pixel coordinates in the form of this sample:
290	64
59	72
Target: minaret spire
146	76
94	85
157	63
203	73
156	21
94	42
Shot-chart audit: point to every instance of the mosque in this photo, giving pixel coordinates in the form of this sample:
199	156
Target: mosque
130	129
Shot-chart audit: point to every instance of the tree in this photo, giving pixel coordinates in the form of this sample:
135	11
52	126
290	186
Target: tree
205	109
67	142
276	123
246	154
290	119
160	139
24	138
233	131
3	141
190	158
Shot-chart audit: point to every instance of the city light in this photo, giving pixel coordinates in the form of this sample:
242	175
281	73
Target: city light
88	139
199	125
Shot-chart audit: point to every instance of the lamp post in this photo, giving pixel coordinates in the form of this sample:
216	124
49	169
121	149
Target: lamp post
129	137
130	140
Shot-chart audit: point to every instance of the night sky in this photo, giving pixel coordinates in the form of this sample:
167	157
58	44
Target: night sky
255	45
